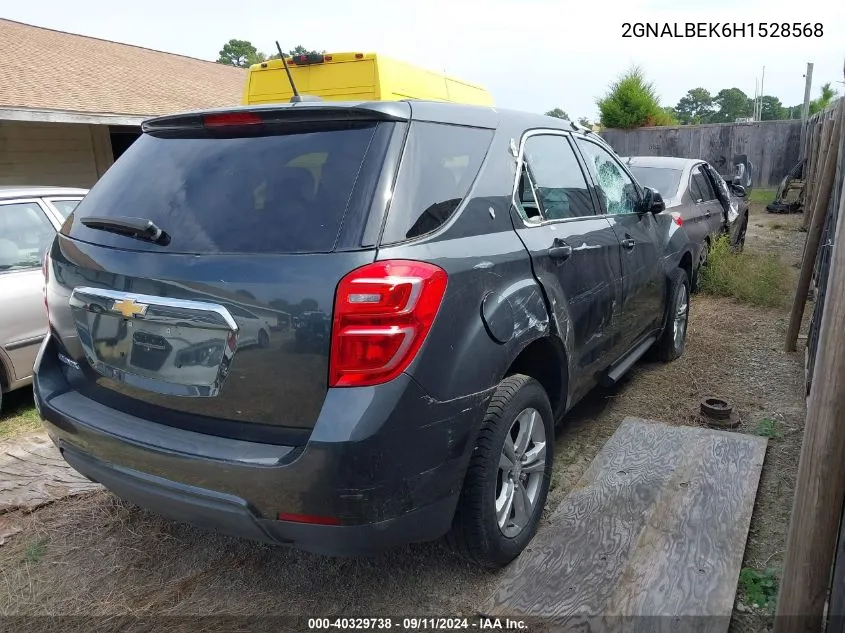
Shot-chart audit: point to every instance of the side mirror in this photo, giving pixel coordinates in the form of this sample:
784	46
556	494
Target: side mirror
738	190
653	201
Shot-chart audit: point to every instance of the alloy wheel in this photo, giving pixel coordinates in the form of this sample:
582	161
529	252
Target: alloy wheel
522	466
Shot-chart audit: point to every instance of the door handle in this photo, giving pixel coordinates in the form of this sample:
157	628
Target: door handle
628	243
560	251
707	213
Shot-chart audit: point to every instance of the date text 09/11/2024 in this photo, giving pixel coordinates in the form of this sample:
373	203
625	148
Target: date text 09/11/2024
418	623
722	29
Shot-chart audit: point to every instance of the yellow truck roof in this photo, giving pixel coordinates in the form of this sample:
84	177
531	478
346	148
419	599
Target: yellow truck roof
356	77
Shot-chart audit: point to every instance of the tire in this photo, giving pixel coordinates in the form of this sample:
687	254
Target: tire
263	339
476	533
669	346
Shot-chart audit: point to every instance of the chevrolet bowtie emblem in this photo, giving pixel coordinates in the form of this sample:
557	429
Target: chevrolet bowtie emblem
129	308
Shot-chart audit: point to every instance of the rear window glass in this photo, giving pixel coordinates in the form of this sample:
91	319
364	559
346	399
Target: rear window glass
438	166
666	181
279	193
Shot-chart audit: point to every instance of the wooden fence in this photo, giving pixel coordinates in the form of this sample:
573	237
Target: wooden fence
812	595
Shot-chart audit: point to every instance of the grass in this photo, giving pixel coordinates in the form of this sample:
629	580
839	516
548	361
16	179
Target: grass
760	279
767	427
759	588
763	196
35	551
19	415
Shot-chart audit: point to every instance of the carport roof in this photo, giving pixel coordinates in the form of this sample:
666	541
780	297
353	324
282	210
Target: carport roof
48	75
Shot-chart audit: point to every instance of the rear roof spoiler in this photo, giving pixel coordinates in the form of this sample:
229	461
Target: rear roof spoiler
303	111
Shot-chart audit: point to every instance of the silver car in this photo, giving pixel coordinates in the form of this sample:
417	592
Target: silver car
698	197
29	220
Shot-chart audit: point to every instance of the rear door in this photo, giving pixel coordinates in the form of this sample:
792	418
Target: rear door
575	254
642	259
260	218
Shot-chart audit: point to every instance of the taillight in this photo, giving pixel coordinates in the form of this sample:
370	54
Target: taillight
382	314
677	219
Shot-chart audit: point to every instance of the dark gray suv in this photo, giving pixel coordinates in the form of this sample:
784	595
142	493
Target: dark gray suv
440	284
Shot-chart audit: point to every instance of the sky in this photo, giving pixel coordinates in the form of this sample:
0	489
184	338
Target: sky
530	55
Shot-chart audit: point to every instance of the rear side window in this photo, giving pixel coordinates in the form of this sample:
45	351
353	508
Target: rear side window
65	207
270	193
438	166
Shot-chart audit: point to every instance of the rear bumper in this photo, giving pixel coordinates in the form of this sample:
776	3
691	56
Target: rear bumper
232	515
387	463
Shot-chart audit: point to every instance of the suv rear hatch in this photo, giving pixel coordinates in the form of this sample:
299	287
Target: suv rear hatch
179	286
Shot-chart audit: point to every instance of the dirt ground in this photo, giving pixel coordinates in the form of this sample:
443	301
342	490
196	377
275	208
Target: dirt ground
97	556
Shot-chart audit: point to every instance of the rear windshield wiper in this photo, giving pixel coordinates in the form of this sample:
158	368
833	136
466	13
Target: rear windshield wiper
139	228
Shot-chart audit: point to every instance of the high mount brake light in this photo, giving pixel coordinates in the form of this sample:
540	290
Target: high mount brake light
382	314
225	119
311	58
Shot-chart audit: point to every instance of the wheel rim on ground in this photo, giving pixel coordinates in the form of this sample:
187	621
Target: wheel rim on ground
522	466
680	323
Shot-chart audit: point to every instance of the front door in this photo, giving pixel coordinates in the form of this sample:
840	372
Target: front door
643	286
574	252
708	214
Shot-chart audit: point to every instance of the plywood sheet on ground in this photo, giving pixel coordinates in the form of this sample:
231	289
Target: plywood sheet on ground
656	527
32	473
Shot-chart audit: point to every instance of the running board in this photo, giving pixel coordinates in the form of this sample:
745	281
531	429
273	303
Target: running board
620	368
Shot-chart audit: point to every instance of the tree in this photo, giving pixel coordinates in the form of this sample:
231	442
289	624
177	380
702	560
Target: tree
695	107
771	109
733	104
631	102
817	105
794	112
298	50
670	116
240	53
558	114
584	121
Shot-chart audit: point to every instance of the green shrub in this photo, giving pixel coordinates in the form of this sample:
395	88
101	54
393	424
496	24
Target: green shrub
759	588
756	278
632	102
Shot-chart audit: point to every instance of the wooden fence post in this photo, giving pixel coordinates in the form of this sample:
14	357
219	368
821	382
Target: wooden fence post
820	485
825	126
821	201
815	133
